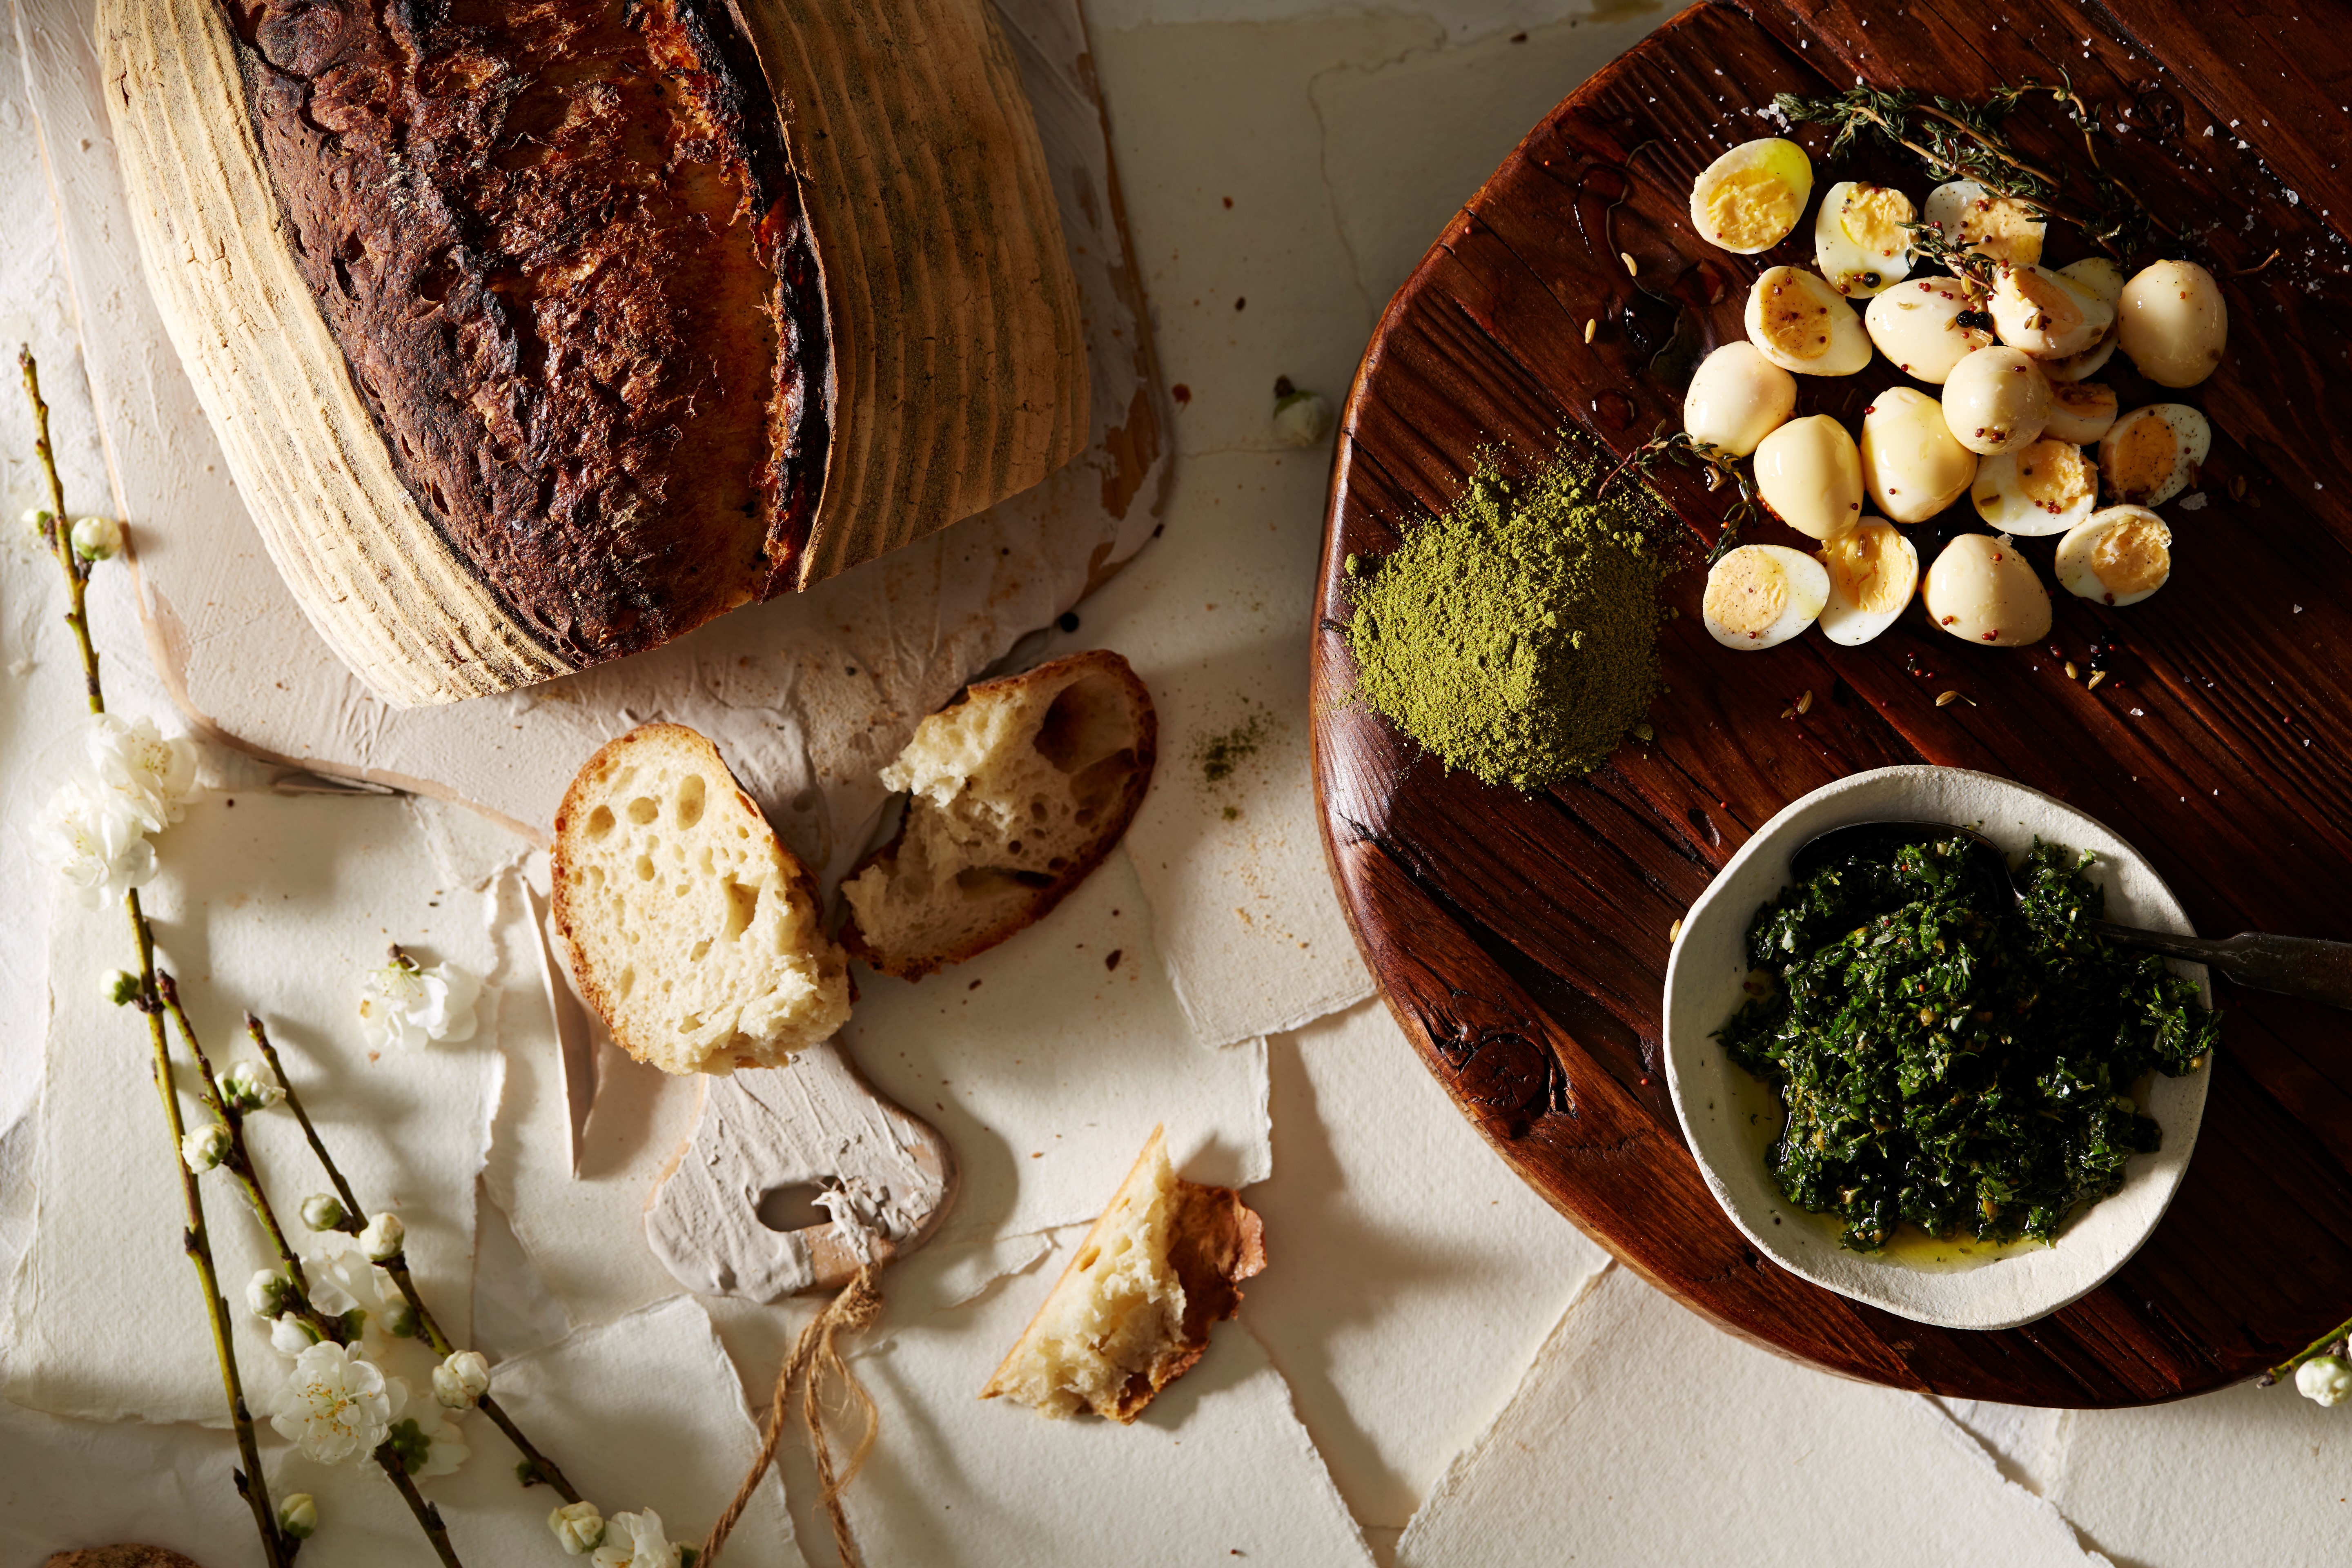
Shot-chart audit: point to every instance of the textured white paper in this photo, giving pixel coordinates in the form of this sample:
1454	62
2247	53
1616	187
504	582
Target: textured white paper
280	905
1643	1434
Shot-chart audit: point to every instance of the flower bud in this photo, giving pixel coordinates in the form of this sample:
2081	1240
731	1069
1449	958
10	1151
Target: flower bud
322	1211
1301	419
298	1516
383	1237
460	1381
268	1293
291	1336
97	538
250	1084
400	1321
119	986
578	1527
35	519
2325	1380
203	1148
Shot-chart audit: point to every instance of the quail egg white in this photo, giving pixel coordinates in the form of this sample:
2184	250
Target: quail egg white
1761	595
2152	454
1800	323
1737	398
1981	591
2080	411
2046	488
1991	225
1859	240
1748	199
1918	326
1872	572
2099	275
2173	323
1911	465
1996	400
2106	279
1810	473
2118	557
2046	313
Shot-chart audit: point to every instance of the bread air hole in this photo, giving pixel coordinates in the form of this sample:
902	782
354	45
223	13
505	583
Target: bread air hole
1087	722
700	948
600	822
742	903
645	867
643	810
690	800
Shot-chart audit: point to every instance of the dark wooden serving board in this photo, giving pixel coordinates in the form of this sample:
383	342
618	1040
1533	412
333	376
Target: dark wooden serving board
1522	939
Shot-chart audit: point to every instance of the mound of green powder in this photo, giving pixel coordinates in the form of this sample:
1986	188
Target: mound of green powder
1516	636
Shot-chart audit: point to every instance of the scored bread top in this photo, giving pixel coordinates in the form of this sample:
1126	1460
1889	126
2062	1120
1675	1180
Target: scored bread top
691	929
1016	793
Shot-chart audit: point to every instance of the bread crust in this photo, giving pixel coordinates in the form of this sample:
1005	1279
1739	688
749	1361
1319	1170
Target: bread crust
562	249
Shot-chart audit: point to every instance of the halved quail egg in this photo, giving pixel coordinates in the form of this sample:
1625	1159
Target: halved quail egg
2046	488
1761	595
2174	322
2099	275
1737	398
1800	323
1873	572
1748	199
1996	400
1918	326
2001	227
1981	591
1859	240
1911	465
2118	557
2080	411
1810	473
2106	279
2046	313
2152	454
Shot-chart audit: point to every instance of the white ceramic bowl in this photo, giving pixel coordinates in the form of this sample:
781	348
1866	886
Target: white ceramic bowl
1931	1283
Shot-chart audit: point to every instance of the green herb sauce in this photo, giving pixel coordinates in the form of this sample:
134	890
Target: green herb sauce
1952	1057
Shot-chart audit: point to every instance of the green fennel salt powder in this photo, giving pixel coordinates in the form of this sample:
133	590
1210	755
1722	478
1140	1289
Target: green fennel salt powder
1516	634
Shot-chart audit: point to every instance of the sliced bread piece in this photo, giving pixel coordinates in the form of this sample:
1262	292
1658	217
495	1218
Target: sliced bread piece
690	928
1132	1311
1018	792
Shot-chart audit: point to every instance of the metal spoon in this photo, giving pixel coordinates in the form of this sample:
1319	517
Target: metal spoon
2290	966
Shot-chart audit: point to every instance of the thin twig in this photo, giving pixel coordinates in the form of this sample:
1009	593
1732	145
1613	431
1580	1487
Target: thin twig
2319	1346
428	1516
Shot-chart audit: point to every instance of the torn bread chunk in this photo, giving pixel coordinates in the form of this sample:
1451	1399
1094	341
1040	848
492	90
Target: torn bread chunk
690	928
1015	793
1132	1311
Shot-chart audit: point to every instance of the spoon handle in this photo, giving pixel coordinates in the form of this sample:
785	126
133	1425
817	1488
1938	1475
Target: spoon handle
2291	965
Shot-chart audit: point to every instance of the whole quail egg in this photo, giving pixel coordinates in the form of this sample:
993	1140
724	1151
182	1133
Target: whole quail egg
1761	595
1873	572
1800	323
2174	322
2118	557
2152	454
2046	488
1737	398
1748	199
1810	473
1859	240
1916	325
1996	400
2080	411
1981	591
1998	226
2046	313
1911	465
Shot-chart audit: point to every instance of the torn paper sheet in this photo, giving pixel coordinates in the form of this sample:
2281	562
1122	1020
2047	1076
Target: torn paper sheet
280	905
1216	1470
1655	1437
1471	1271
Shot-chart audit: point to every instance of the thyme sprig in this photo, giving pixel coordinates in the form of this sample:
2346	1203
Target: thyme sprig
1686	450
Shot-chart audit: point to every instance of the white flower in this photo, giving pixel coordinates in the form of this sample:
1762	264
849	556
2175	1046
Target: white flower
338	1404
322	1211
97	538
429	1444
291	1336
383	1237
249	1085
341	1278
1301	419
635	1541
2324	1379
203	1148
402	1004
578	1528
93	837
268	1293
460	1381
298	1516
131	758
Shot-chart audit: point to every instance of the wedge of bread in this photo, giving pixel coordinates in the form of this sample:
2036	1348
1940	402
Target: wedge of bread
1132	1311
690	928
1017	792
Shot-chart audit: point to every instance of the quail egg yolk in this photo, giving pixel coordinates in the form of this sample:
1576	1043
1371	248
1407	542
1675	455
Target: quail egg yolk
1858	569
1752	207
2054	477
2131	557
1795	322
1873	217
2052	310
2144	459
1745	593
2002	228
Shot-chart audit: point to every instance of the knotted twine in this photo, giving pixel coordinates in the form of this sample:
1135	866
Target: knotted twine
818	1354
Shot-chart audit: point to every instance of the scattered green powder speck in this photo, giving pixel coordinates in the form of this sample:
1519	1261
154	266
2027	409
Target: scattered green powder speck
1516	636
1219	755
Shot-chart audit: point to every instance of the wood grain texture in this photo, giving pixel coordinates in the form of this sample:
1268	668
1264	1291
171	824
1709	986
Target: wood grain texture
1522	939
